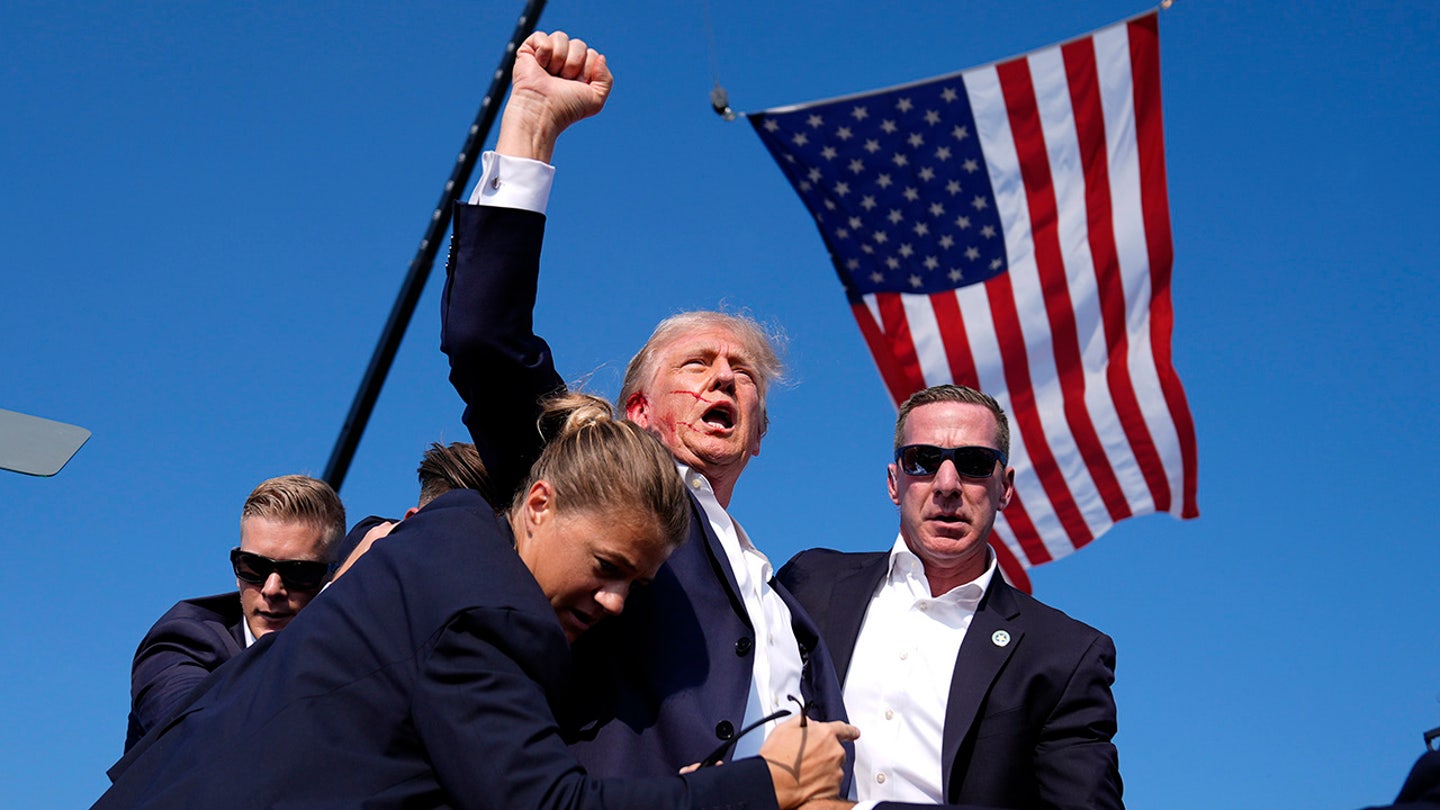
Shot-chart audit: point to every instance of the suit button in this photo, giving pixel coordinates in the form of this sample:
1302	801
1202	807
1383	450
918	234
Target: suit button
744	646
724	730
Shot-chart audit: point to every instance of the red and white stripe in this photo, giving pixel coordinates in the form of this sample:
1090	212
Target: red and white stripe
1074	339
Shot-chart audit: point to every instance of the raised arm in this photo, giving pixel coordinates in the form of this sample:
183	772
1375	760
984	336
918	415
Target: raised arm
500	368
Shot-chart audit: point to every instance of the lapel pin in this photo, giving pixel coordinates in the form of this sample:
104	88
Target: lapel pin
1000	638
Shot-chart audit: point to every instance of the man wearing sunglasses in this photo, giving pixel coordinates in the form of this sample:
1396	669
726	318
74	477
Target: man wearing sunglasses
289	529
967	690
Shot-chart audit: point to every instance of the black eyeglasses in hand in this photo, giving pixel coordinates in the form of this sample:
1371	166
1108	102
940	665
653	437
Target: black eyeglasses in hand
719	753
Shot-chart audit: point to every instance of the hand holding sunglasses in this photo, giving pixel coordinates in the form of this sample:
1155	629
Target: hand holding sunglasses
972	461
298	575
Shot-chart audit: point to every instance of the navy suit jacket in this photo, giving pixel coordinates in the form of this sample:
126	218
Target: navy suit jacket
179	652
1028	724
422	678
357	534
1421	790
664	683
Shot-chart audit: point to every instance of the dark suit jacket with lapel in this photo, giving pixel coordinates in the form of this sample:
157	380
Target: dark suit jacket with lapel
1029	723
189	642
661	685
422	678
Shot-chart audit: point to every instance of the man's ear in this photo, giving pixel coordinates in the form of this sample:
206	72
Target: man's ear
637	409
409	513
892	482
1009	489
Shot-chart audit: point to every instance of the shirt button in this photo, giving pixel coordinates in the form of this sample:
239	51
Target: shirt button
880	777
924	606
694	483
904	655
889	714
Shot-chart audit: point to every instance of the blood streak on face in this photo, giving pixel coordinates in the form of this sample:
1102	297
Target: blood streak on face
704	404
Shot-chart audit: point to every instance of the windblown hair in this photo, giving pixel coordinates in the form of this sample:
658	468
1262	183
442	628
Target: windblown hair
955	393
300	499
760	344
453	466
595	462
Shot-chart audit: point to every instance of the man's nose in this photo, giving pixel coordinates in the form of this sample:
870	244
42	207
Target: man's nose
274	586
947	478
722	376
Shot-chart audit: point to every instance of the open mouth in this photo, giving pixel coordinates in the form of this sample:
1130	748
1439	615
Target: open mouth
720	416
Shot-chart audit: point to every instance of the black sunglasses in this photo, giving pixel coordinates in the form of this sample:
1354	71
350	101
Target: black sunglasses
298	575
971	462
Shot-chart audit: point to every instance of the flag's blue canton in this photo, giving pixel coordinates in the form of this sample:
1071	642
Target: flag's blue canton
897	183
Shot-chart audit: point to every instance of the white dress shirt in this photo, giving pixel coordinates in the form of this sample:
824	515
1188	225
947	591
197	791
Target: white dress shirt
899	679
775	671
513	182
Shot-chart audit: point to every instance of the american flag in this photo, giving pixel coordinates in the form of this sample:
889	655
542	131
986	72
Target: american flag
1007	228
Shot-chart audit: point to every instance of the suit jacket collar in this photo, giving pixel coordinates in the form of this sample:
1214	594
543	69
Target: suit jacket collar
982	655
701	531
849	600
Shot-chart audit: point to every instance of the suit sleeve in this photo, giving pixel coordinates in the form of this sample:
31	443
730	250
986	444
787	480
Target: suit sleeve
173	660
500	368
1076	764
494	743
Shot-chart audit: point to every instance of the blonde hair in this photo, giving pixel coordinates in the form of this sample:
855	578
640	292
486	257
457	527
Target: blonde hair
596	462
299	499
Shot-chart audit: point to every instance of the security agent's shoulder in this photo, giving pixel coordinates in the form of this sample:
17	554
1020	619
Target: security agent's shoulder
461	515
457	504
202	628
221	608
1057	626
447	537
821	566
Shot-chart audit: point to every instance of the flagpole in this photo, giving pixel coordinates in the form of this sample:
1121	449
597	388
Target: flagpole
400	314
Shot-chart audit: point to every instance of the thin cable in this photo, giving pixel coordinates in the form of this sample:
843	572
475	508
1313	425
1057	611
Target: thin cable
719	99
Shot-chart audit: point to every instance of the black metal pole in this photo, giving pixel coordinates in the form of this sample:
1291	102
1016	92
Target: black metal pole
424	260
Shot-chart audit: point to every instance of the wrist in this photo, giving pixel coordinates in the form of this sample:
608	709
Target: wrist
526	131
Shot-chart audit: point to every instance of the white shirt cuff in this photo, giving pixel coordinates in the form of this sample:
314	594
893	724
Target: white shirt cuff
513	182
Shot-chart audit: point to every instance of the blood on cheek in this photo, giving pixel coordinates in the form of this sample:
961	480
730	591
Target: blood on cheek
675	424
664	422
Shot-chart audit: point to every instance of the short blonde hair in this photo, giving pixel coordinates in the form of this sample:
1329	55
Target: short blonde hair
299	499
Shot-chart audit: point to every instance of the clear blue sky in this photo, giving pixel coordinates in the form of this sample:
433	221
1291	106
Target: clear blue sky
206	210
